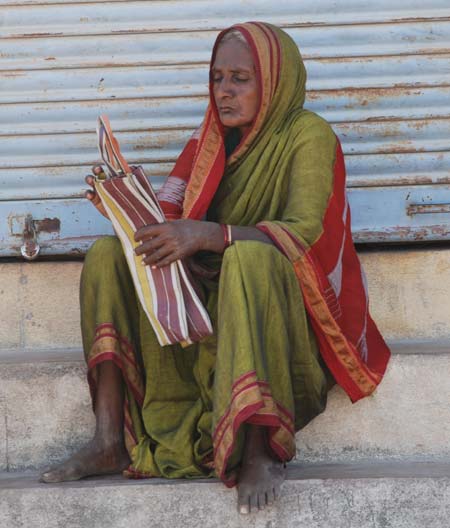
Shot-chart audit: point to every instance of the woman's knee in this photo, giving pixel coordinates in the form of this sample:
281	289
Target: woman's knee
252	251
256	259
104	251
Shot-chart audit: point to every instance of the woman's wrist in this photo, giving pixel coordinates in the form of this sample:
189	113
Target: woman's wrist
217	237
227	235
213	238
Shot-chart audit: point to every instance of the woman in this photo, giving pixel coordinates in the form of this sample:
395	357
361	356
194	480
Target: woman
289	305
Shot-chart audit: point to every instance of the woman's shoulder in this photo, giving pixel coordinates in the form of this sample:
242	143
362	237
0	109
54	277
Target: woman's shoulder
309	123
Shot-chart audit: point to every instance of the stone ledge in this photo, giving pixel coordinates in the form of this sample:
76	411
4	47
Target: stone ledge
75	354
316	497
47	412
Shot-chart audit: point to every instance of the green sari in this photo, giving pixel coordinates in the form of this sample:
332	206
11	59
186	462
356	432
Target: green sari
187	409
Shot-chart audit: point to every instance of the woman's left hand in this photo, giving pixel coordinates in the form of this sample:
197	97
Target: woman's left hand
165	243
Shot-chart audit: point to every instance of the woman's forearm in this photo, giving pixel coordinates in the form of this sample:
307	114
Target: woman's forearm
214	239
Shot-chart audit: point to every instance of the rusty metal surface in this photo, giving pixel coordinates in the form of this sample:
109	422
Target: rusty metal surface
379	72
48	18
435	208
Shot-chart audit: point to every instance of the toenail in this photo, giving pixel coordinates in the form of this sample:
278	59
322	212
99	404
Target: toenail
243	510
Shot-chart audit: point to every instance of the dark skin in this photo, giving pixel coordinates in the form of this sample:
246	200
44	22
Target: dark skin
236	95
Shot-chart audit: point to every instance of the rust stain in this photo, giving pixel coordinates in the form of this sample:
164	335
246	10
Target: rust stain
398	181
403	233
365	95
414	209
48	225
419	125
33	35
13	74
144	147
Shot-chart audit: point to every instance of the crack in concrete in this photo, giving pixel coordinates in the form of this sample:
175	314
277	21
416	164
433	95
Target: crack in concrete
23	280
6	439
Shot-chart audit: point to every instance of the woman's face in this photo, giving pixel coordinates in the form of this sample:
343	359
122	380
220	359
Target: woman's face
235	86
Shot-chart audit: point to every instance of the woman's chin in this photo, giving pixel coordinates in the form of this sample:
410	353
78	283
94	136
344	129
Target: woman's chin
229	122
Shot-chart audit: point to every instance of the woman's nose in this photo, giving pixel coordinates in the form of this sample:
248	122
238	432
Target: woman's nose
224	88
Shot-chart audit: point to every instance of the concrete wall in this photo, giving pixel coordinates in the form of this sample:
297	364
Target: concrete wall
409	293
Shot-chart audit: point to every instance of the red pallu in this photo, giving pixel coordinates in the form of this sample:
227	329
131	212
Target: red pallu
334	288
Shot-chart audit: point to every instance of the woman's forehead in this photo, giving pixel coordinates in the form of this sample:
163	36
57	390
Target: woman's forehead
233	55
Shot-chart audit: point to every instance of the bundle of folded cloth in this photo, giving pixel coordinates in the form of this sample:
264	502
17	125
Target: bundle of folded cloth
167	294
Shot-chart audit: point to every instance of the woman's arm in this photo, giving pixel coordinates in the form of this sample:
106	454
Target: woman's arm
165	243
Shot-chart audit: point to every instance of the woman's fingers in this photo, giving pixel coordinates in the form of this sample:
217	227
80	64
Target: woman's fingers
161	257
91	194
89	180
150	231
164	243
149	246
97	169
94	198
159	244
158	252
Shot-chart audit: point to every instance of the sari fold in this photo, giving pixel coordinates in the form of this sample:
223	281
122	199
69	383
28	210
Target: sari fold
335	292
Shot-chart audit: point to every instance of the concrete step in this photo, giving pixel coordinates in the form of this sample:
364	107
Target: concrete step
409	288
45	407
382	495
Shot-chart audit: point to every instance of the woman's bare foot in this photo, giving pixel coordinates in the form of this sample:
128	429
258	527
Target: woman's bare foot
94	459
106	453
261	476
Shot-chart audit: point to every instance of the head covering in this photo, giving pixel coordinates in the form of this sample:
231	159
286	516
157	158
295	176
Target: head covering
281	76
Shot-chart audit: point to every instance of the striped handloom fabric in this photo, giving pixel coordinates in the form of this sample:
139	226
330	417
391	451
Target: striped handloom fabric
167	294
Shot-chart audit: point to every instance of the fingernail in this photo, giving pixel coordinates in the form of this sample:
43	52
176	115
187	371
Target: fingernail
243	510
154	267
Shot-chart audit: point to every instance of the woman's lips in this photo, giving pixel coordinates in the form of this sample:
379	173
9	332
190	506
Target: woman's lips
226	109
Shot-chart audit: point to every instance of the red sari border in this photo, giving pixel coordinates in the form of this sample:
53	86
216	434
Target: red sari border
252	402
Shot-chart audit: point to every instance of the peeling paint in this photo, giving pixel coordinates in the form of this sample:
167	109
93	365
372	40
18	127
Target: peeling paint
48	225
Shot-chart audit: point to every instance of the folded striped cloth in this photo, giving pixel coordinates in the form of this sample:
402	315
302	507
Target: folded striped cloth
166	294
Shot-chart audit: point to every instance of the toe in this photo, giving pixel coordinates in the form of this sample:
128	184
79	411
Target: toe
276	492
261	500
243	503
253	500
49	477
270	498
244	508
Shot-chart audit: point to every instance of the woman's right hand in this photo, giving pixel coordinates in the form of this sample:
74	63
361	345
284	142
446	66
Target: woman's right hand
91	194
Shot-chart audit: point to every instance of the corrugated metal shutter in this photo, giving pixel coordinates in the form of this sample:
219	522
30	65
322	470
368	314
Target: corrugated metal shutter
378	71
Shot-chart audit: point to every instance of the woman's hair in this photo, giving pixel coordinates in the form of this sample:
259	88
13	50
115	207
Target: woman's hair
233	35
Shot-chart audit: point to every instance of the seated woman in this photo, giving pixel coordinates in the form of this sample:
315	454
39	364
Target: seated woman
263	203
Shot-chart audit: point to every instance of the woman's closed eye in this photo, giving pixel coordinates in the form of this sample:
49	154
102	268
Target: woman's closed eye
241	79
235	78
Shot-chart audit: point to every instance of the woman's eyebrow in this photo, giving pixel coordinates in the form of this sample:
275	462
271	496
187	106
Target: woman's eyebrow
241	70
236	69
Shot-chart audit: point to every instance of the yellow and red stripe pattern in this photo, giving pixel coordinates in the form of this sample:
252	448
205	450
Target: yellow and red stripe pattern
252	402
166	294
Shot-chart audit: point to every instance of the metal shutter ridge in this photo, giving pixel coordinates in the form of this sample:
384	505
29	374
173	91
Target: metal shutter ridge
379	72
